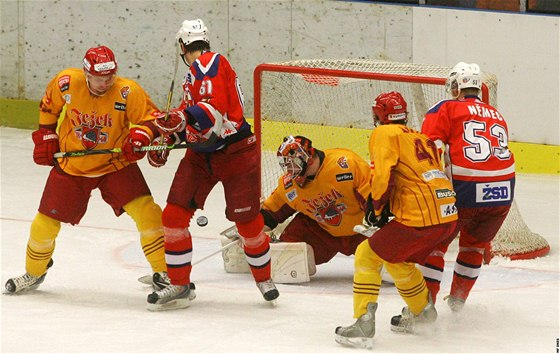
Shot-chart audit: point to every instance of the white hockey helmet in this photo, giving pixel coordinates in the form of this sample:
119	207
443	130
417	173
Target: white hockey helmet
192	31
463	76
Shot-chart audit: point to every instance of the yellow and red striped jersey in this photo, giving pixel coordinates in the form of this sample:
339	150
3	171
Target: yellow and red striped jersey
93	122
334	197
406	172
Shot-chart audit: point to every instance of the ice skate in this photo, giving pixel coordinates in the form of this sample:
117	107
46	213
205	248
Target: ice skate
26	282
160	280
455	304
360	334
407	321
171	297
268	290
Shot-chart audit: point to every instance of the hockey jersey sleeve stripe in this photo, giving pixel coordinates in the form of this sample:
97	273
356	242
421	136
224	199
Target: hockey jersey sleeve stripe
471	172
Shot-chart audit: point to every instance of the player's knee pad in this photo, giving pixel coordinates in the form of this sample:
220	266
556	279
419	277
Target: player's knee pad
404	273
176	217
252	233
44	231
146	214
366	259
252	228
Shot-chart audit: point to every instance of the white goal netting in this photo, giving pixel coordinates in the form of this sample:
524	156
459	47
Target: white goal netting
329	101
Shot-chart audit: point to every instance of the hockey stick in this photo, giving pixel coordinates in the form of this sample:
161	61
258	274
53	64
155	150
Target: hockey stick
367	231
118	150
170	93
213	138
147	279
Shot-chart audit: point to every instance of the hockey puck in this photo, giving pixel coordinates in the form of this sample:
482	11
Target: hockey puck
202	221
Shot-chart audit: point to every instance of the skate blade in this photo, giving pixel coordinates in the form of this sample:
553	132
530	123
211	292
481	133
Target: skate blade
398	329
359	342
146	279
171	305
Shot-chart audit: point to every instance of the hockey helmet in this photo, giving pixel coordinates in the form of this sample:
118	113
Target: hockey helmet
192	31
463	76
389	107
293	156
100	61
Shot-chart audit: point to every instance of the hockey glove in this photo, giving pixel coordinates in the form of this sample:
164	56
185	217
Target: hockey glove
377	221
46	145
175	122
133	142
158	158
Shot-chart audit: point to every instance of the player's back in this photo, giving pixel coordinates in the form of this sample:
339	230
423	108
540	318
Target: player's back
477	136
481	164
421	194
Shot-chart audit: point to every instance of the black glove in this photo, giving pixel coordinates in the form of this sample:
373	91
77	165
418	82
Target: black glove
377	221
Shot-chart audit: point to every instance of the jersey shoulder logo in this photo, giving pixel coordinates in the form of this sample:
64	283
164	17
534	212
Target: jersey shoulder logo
64	83
125	91
291	195
342	162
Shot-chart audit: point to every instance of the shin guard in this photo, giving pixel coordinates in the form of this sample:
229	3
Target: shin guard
178	243
256	245
432	270
147	216
41	244
367	278
410	285
467	270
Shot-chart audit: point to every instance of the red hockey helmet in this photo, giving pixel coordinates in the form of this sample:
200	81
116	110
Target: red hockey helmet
389	107
293	156
100	61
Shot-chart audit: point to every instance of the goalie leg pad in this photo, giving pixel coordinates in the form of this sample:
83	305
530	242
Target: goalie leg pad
292	262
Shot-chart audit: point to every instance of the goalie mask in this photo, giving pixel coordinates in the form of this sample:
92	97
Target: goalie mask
293	156
463	76
389	107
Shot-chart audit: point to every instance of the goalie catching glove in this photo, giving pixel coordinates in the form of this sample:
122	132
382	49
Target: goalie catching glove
46	145
158	158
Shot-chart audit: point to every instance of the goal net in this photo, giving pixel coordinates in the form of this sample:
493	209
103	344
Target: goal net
329	101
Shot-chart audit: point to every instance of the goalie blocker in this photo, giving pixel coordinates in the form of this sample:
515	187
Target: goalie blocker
291	262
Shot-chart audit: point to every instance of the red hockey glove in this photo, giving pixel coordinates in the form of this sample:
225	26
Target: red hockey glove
135	140
175	122
192	135
158	158
46	145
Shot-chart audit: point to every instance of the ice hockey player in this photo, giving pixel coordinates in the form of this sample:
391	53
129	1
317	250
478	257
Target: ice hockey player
327	192
98	107
474	136
210	114
407	180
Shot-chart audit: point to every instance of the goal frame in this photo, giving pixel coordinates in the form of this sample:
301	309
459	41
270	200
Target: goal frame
522	244
257	89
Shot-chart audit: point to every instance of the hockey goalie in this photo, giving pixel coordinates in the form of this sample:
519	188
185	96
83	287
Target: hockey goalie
321	197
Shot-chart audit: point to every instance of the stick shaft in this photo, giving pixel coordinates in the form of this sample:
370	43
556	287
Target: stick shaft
231	244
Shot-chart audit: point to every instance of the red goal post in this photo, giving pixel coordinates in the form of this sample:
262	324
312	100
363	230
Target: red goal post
329	101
